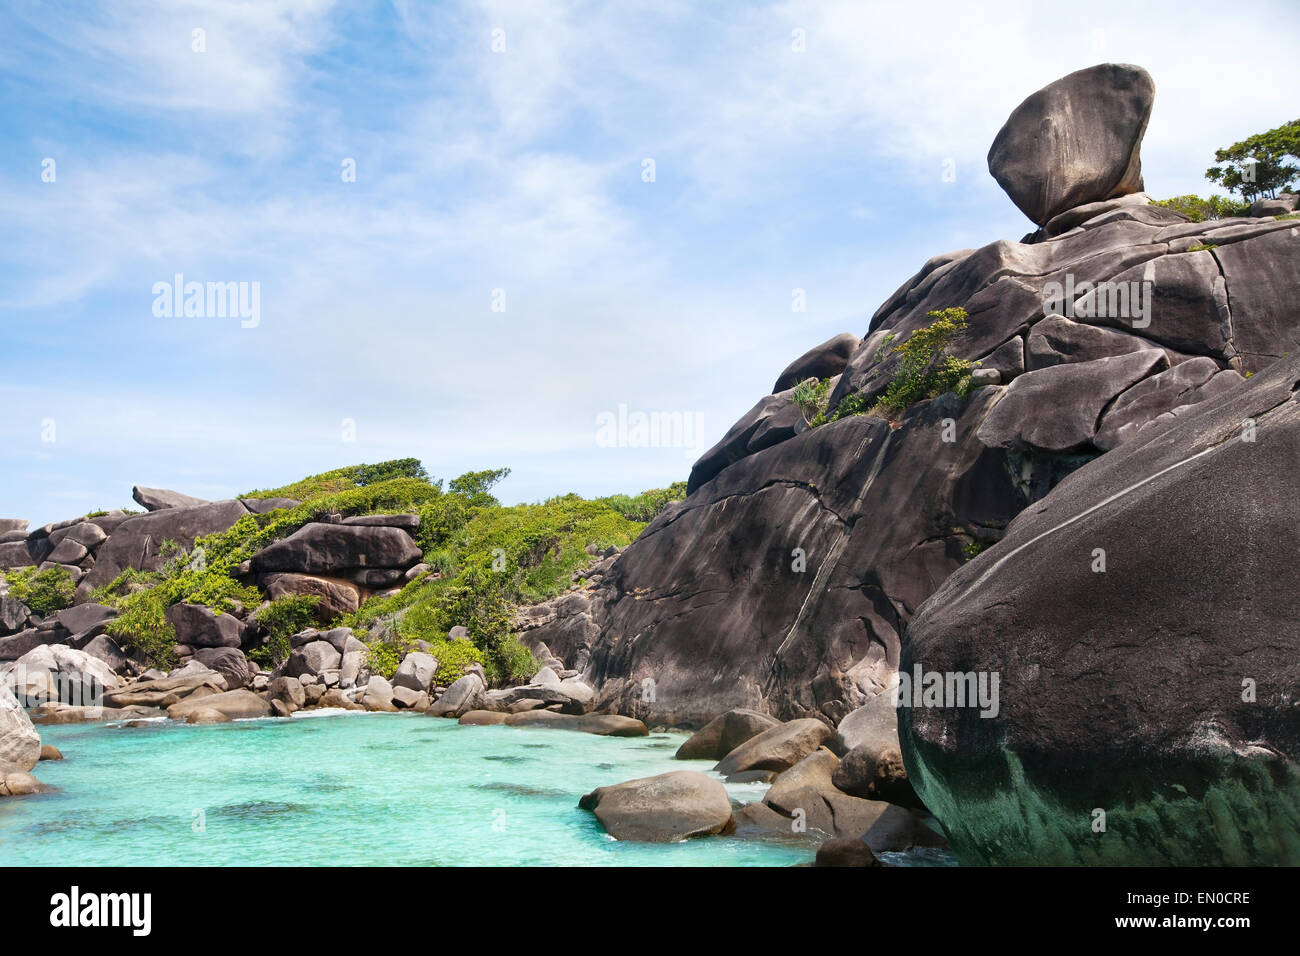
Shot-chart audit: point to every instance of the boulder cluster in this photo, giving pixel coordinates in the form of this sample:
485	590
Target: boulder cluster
846	790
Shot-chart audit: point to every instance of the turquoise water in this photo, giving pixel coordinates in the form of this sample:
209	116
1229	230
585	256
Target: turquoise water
347	789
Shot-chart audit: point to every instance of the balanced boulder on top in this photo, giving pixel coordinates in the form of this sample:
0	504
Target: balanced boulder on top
1075	141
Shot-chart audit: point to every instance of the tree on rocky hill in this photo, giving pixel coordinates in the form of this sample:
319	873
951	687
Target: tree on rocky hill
1256	167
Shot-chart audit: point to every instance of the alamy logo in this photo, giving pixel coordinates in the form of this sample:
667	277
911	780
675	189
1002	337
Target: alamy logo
635	429
74	909
949	689
1100	300
209	300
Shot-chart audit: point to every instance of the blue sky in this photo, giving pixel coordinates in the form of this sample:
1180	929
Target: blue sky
518	169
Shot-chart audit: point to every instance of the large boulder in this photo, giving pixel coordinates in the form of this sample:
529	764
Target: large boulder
20	744
463	695
806	800
57	673
199	626
234	704
137	540
229	662
335	597
320	548
1075	141
821	361
778	748
160	499
85	618
312	658
725	733
773	419
1076	393
107	650
662	809
1140	622
14	554
416	671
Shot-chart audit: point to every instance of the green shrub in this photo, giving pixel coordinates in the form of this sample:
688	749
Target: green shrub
384	657
342	479
45	592
812	396
456	657
282	618
141	626
513	661
1199	210
926	371
648	504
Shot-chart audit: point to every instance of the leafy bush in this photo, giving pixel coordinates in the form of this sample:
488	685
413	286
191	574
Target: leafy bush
926	371
353	476
45	592
456	657
1199	210
282	618
648	505
494	558
141	626
812	396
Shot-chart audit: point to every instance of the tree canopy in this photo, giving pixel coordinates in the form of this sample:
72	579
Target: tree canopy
1257	166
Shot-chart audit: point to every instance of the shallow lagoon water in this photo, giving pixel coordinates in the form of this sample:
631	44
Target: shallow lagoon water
347	789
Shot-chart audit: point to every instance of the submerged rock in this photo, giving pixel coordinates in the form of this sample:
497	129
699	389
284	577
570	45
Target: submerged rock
605	725
842	851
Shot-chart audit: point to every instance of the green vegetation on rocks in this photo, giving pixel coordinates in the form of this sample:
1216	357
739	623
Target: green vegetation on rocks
1200	210
485	560
43	591
925	371
283	618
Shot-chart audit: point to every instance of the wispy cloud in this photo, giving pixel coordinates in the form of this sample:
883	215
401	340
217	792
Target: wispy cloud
795	145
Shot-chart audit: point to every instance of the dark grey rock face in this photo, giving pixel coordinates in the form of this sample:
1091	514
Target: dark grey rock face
773	420
199	626
1075	141
1057	409
1160	690
320	548
705	613
783	583
822	361
160	499
136	541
